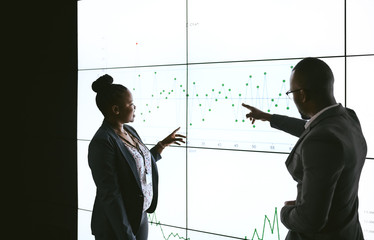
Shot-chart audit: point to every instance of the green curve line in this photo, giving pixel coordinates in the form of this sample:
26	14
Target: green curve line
153	221
272	226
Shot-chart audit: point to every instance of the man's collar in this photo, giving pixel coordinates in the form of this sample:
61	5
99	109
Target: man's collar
319	113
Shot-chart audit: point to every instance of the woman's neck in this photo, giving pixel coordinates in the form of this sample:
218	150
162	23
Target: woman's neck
115	124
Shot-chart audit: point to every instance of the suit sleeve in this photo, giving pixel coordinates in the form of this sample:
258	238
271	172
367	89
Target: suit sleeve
293	126
102	161
322	160
155	154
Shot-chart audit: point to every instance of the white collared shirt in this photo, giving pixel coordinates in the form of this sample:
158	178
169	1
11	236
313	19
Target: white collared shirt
318	114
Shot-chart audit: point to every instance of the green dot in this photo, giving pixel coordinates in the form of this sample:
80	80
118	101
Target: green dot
229	89
226	97
175	79
240	94
163	90
180	85
155	72
233	105
288	108
243	120
187	95
258	86
284	80
291	67
184	90
268	110
236	120
206	95
152	95
147	104
254	126
250	76
158	106
264	73
169	93
141	113
160	93
276	105
272	99
149	111
166	97
200	104
219	92
223	84
194	83
133	89
203	119
210	110
190	124
197	95
212	90
139	75
172	90
216	99
280	94
246	84
143	120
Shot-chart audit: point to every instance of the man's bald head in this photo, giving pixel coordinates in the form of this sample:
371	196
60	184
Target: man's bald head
315	76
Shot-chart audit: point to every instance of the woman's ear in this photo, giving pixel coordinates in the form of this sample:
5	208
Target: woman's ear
115	110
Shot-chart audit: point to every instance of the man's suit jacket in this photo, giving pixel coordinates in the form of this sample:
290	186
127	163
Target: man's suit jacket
326	163
118	206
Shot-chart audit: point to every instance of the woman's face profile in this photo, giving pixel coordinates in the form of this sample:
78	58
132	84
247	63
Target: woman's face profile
126	108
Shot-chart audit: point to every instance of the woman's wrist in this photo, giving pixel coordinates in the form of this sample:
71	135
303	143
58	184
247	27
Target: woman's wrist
160	146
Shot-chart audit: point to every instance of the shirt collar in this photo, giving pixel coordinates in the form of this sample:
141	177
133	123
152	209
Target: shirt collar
318	114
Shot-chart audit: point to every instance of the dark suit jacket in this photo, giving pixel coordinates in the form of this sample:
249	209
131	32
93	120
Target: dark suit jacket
119	198
326	163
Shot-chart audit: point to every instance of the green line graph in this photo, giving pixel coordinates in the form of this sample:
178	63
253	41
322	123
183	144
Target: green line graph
152	219
274	228
267	221
208	96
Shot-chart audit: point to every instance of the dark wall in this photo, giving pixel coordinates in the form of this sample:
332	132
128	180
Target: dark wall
39	118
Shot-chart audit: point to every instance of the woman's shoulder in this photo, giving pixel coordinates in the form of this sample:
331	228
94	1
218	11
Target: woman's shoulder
103	133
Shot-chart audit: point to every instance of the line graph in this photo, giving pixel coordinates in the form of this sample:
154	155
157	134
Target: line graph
205	96
273	226
152	219
208	103
267	221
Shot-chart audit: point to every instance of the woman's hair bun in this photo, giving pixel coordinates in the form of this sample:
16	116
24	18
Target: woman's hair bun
102	83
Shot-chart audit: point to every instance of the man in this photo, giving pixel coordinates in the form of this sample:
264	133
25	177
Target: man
327	160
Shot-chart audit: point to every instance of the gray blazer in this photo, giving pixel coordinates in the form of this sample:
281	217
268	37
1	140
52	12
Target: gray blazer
326	163
118	206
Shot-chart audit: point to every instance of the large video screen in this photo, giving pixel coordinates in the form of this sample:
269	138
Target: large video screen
191	64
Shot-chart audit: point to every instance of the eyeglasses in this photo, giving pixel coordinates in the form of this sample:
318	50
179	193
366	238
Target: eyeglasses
289	92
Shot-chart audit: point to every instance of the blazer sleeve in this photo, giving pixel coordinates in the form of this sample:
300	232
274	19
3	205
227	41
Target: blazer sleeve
102	161
323	162
293	126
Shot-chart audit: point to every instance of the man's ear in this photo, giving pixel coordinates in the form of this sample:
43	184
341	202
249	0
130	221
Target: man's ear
115	109
304	96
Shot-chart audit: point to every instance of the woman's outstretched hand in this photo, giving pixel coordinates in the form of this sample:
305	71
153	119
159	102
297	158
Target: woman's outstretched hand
170	139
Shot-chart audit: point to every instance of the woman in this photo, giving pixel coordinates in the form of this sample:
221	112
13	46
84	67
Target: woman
124	170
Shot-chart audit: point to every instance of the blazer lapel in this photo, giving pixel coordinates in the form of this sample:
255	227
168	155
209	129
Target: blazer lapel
129	158
290	156
125	153
331	112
